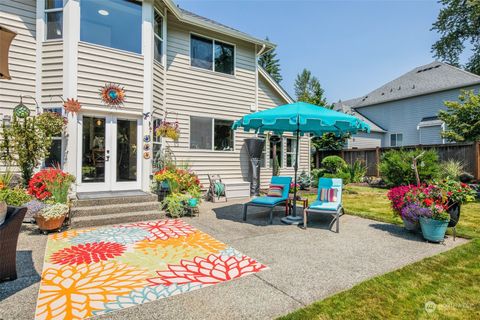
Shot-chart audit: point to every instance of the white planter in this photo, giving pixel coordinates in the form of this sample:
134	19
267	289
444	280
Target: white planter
3	211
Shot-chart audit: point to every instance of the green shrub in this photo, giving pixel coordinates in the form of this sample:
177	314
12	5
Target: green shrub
332	164
355	171
451	169
175	204
396	166
340	175
304	180
14	197
315	175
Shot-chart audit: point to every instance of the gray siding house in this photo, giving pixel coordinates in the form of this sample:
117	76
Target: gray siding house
404	111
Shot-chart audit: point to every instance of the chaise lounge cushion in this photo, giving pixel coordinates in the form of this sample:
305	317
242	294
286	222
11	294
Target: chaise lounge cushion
267	200
324	206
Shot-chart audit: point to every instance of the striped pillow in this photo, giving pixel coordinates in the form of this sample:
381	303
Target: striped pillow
275	190
328	195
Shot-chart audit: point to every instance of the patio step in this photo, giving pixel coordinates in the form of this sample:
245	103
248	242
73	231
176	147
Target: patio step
100	210
116	218
115	200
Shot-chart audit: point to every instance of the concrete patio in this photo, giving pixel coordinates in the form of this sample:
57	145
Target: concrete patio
304	265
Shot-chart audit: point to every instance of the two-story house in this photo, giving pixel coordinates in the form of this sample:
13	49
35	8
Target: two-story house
172	64
404	111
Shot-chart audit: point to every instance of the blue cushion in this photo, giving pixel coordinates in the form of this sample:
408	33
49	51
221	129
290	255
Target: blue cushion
327	206
267	200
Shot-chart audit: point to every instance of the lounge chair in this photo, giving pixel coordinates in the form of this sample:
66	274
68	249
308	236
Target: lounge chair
333	208
271	202
9	232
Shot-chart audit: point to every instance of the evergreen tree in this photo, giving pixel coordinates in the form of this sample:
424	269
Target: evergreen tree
271	64
458	23
308	89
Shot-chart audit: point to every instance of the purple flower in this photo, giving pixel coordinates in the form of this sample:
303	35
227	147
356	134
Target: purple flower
413	211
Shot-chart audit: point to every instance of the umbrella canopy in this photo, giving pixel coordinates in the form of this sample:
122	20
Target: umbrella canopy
300	118
6	37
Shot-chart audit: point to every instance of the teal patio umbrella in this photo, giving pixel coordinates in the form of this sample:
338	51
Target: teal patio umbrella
300	118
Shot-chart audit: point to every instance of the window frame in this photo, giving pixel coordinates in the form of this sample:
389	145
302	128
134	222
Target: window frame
156	140
293	153
161	39
282	154
61	137
396	139
45	21
214	40
213	135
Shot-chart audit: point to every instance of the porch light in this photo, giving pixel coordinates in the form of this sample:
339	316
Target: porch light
99	122
103	12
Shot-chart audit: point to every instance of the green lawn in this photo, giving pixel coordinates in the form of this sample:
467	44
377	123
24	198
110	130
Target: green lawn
450	280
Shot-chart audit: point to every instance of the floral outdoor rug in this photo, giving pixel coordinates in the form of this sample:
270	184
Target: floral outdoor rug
94	271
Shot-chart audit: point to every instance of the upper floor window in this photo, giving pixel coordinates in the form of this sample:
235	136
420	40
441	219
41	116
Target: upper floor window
208	134
53	19
158	36
112	23
396	139
212	55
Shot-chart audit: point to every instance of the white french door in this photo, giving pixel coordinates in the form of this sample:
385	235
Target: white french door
109	153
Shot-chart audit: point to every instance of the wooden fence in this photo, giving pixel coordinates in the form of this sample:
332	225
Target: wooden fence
467	153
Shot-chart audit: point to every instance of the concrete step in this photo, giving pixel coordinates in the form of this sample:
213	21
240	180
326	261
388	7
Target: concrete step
115	200
116	218
101	210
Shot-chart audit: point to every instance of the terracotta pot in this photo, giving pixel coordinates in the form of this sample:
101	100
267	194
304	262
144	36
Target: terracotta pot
49	225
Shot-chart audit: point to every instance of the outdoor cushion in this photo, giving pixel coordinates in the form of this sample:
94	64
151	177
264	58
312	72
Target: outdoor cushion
275	190
268	200
327	206
328	195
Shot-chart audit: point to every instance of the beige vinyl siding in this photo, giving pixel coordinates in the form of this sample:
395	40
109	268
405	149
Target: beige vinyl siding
158	94
19	16
52	71
269	98
203	93
99	65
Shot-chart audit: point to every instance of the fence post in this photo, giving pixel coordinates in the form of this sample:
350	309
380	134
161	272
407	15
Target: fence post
476	167
377	160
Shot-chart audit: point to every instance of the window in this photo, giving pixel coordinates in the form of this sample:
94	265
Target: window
112	23
291	151
54	158
158	36
53	19
157	146
263	157
208	134
212	55
396	140
278	153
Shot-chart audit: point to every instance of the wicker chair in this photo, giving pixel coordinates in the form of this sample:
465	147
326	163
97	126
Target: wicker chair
9	232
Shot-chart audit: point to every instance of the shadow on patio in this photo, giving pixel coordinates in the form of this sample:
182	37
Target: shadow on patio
26	273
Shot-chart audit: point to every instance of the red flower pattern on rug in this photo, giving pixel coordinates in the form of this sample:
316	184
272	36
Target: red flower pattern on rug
207	271
165	229
88	253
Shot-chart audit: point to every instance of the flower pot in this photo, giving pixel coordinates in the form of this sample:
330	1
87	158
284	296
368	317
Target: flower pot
192	202
454	212
410	226
433	230
49	225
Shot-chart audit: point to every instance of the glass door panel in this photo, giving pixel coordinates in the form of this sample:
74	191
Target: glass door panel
94	155
126	150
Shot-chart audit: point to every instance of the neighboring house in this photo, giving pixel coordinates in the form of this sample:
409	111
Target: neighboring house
404	111
172	63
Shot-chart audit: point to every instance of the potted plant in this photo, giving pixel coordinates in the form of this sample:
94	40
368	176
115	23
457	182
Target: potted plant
434	223
410	215
52	217
457	193
175	204
194	194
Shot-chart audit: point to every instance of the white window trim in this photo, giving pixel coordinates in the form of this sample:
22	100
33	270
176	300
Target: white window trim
162	38
293	153
213	135
45	12
282	154
61	137
396	139
213	55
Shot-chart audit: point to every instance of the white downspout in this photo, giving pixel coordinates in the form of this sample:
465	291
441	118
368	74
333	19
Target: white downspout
257	55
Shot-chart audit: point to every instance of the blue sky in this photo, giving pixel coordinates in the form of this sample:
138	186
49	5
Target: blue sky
352	46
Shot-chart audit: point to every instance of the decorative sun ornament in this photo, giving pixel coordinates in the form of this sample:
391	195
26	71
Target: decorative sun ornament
72	105
112	95
21	110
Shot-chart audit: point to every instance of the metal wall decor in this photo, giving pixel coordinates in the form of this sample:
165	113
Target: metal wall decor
71	105
112	95
21	111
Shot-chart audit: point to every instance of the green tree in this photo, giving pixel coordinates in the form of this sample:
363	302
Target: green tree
308	89
271	64
329	141
462	118
458	23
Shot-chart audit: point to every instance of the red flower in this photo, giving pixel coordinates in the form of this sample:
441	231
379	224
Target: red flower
88	253
207	271
428	202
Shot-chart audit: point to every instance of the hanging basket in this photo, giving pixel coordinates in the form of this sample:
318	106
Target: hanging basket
168	129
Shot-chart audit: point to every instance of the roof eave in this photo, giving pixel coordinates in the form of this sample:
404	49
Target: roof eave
275	85
204	24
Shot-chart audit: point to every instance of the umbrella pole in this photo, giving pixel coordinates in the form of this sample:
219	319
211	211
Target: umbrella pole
293	218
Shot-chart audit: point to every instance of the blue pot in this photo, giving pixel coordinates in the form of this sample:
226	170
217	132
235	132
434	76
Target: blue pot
192	202
433	230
